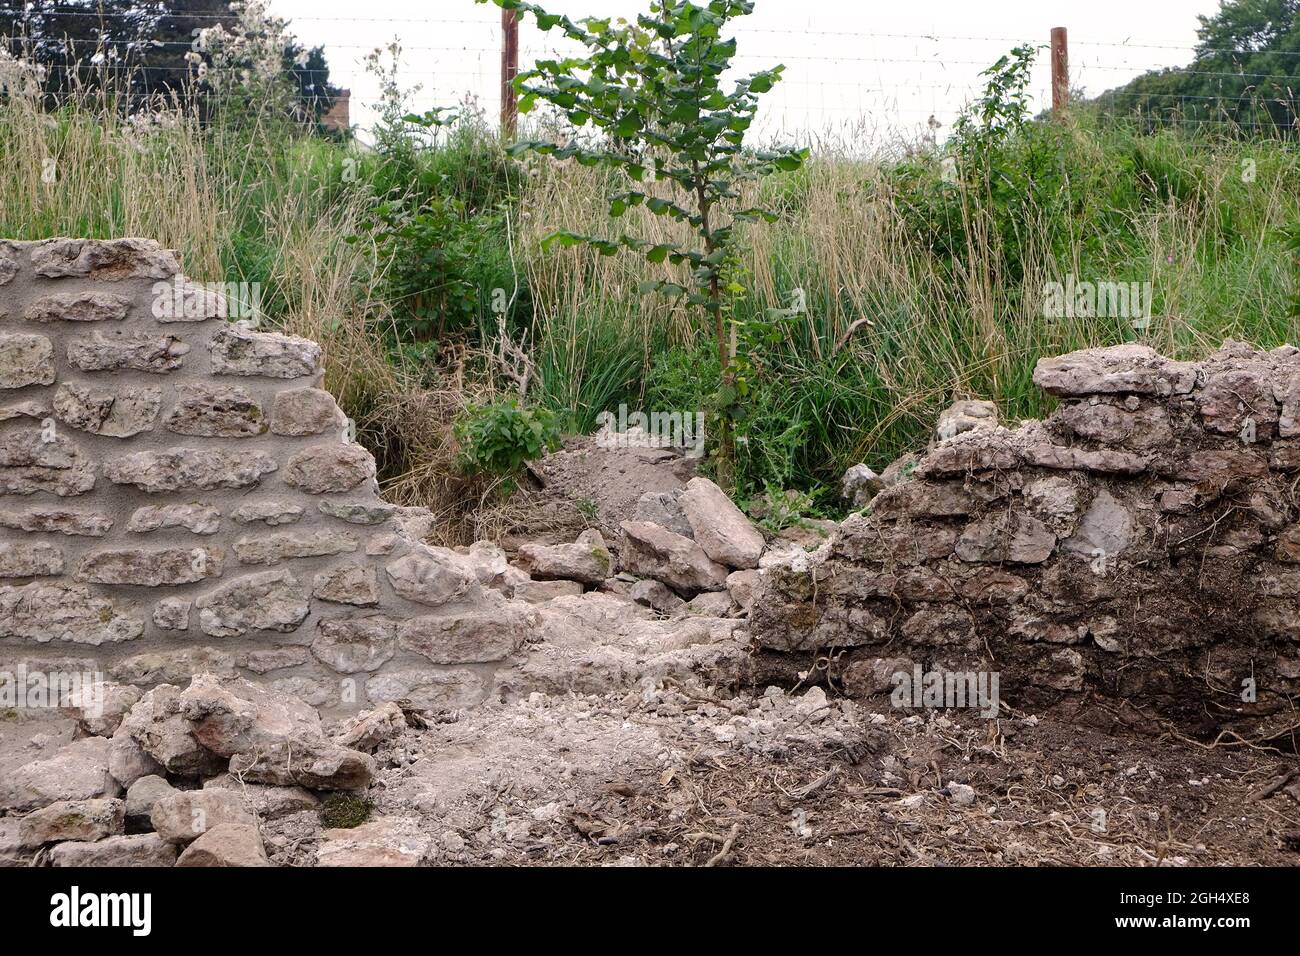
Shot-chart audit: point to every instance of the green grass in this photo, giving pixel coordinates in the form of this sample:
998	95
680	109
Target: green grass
916	292
919	293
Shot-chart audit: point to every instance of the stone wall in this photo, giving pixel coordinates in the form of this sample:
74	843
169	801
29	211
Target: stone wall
1137	554
178	494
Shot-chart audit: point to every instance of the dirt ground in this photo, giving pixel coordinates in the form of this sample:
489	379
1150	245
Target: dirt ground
582	485
667	778
676	776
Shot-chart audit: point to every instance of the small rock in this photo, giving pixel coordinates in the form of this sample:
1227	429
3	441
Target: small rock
78	307
185	469
128	761
270	513
349	584
274	659
238	349
710	604
26	360
144	567
741	585
719	527
86	820
664	508
101	707
162	732
306	761
78	771
105	411
127	351
232	715
656	595
386	841
304	411
355	644
813	706
12	851
228	844
274	548
435	577
366	731
964	416
145	849
539	592
651	551
215	411
172	614
141	798
960	794
329	469
859	485
196	518
586	560
267	601
188	814
265	802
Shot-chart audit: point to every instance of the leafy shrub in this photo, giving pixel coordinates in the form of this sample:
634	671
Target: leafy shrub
442	189
429	250
498	439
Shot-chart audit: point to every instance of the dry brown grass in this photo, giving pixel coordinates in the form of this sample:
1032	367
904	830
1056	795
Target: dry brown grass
210	191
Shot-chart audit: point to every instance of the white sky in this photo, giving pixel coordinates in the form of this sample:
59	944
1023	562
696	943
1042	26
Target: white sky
871	71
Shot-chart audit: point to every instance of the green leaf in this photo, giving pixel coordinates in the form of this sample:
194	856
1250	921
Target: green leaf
563	239
628	125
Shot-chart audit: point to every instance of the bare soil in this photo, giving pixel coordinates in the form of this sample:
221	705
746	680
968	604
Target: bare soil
686	777
679	778
582	485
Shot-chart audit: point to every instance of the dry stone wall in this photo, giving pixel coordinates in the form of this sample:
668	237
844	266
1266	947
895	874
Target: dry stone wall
178	494
1136	554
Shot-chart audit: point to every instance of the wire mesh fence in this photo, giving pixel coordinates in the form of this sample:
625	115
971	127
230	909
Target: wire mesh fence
867	89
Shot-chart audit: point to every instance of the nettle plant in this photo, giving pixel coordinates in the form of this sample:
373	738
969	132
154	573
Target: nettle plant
499	439
650	100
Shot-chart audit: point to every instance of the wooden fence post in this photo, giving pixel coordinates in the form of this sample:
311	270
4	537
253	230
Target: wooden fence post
1060	73
509	70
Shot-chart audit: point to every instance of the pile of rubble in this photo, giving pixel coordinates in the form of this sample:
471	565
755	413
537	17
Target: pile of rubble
226	772
198	776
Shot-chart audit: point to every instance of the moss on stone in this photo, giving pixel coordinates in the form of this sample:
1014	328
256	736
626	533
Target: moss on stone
344	811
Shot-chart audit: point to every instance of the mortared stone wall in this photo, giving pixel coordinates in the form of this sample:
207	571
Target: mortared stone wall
1136	554
178	494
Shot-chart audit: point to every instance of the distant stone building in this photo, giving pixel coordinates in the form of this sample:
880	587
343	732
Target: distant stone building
338	119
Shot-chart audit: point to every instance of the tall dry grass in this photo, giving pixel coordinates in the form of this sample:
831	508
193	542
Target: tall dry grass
246	198
896	327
